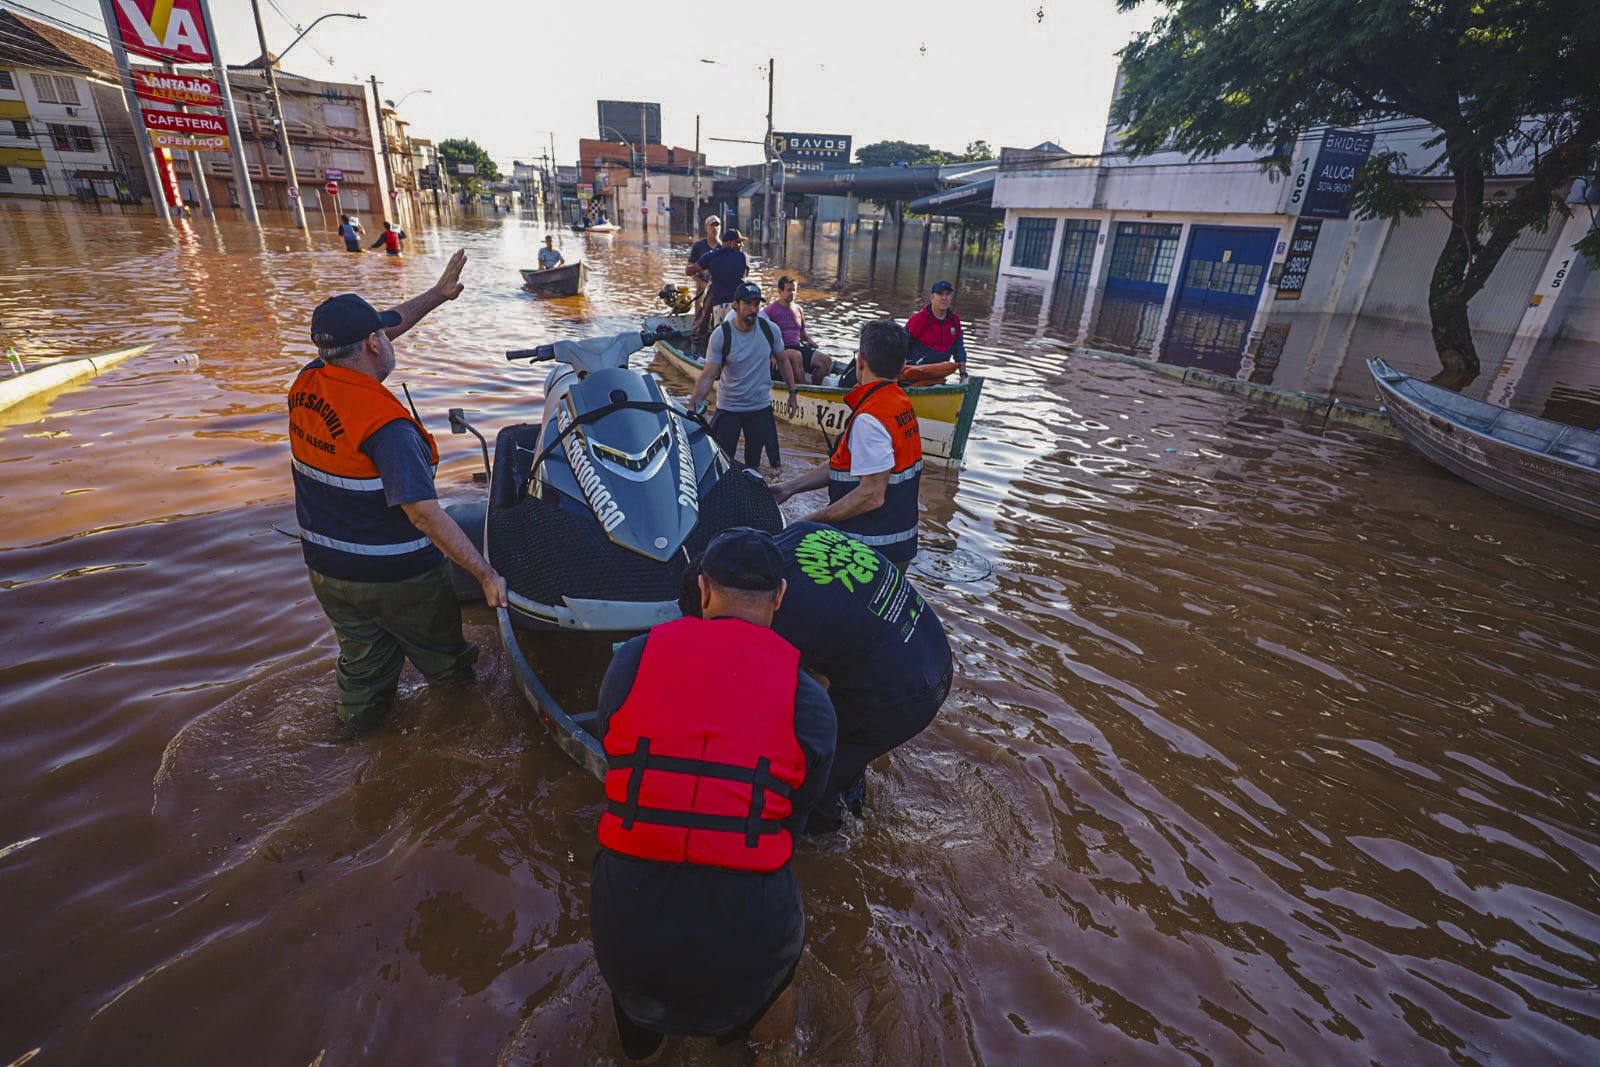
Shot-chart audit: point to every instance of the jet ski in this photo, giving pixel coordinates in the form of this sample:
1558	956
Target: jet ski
595	510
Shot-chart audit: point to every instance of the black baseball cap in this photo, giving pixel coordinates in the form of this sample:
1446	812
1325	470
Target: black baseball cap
942	286
345	319
743	558
747	291
731	234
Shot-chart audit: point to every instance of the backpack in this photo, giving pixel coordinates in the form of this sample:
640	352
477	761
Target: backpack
727	334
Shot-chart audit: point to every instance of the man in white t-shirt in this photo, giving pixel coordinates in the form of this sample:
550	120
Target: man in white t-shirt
874	472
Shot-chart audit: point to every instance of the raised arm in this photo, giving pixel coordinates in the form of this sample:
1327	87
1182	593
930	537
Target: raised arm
448	287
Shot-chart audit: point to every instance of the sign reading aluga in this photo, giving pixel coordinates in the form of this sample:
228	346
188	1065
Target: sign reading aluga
1298	263
1333	176
172	30
176	88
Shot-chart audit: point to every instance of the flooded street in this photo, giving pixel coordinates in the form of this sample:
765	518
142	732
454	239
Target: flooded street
1265	746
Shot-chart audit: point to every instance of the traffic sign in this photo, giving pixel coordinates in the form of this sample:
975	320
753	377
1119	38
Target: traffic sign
294	194
332	188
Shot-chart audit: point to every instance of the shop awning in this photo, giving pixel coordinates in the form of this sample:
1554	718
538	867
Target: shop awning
966	201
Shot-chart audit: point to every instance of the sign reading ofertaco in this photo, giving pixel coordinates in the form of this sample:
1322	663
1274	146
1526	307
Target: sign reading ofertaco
188	133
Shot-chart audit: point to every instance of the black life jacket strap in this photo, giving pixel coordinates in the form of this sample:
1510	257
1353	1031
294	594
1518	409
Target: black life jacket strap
751	825
688	820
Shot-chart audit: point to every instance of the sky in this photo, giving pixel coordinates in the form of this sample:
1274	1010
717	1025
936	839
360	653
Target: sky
509	75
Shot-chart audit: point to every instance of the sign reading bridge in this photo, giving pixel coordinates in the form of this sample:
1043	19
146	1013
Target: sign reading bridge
1343	153
812	151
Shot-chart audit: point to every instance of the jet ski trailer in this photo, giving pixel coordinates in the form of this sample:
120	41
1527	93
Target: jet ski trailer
595	510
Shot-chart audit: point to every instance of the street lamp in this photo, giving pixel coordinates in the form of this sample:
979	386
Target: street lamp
408	96
271	64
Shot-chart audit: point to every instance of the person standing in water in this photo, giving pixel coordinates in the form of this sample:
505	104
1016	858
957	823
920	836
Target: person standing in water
350	230
390	238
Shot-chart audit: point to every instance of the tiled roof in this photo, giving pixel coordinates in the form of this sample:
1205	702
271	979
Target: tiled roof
33	44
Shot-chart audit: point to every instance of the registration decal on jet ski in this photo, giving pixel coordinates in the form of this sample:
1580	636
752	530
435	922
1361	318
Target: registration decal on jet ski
600	499
687	486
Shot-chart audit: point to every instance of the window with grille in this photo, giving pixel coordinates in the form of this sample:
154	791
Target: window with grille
52	89
36	175
7	82
1145	251
71	138
1030	248
341	116
5	175
19	128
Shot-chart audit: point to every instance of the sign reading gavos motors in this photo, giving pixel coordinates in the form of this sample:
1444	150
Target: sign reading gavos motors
173	30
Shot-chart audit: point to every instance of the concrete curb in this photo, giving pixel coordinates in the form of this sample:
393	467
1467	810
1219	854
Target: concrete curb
43	379
1321	411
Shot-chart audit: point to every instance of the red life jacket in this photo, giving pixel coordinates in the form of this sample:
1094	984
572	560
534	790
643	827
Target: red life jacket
391	240
702	757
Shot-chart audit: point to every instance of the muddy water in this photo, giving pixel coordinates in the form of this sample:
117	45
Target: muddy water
1265	746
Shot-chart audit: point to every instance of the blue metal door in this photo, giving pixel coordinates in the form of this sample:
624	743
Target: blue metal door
1218	292
1136	285
1073	274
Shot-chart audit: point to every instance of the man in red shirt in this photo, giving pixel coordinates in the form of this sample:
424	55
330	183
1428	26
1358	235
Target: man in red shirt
935	331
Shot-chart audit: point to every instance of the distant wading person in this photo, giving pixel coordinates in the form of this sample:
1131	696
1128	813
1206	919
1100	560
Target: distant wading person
875	471
713	763
350	230
374	536
390	238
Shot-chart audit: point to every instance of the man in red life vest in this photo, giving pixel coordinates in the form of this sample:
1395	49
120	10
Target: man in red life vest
875	471
390	238
936	334
713	765
371	528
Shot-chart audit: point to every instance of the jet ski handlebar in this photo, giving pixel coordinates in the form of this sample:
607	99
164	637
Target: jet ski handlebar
544	353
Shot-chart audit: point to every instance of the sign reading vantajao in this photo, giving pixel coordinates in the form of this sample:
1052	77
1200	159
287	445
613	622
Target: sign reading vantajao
176	88
1342	154
1298	262
812	151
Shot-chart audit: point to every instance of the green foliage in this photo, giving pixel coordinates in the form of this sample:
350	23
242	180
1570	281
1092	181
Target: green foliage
457	150
1498	80
893	153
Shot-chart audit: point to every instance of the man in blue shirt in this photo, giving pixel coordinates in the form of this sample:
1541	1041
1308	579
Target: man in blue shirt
548	255
726	267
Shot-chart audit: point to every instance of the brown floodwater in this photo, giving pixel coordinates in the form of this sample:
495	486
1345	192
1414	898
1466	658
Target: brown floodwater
1266	746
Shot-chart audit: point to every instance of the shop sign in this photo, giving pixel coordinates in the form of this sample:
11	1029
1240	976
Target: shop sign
1332	179
176	88
171	30
818	149
1298	263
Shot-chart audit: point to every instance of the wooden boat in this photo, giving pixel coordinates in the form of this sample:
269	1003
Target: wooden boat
565	280
944	412
1541	464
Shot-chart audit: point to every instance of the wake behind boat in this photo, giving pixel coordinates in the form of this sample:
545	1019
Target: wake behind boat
1535	462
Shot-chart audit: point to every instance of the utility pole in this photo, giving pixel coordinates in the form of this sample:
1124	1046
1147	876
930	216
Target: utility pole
241	169
554	192
696	228
293	189
644	166
766	172
141	134
383	140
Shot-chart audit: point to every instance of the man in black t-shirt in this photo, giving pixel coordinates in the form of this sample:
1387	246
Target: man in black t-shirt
863	626
702	304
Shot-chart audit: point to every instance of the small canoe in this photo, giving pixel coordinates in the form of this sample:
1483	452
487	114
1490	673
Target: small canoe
944	412
565	280
1538	463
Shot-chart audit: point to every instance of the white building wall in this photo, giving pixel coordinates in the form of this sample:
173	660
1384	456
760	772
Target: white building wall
61	161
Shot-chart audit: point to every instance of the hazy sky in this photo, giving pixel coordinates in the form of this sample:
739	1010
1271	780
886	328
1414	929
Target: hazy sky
507	74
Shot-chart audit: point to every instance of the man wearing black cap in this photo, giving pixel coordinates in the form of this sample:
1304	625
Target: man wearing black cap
726	267
862	625
936	335
739	358
371	528
713	764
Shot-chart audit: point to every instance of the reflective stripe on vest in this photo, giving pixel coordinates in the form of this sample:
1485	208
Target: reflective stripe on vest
348	529
702	756
892	527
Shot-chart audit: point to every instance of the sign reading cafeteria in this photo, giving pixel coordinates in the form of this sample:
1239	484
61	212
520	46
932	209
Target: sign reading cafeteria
176	88
170	129
173	30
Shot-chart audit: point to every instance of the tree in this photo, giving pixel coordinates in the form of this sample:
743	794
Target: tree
459	150
1507	83
894	153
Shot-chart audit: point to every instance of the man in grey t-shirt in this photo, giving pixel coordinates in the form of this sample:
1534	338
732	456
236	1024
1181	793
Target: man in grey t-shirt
739	357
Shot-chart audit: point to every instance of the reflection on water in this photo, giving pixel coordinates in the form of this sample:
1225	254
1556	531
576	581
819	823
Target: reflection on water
1265	746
